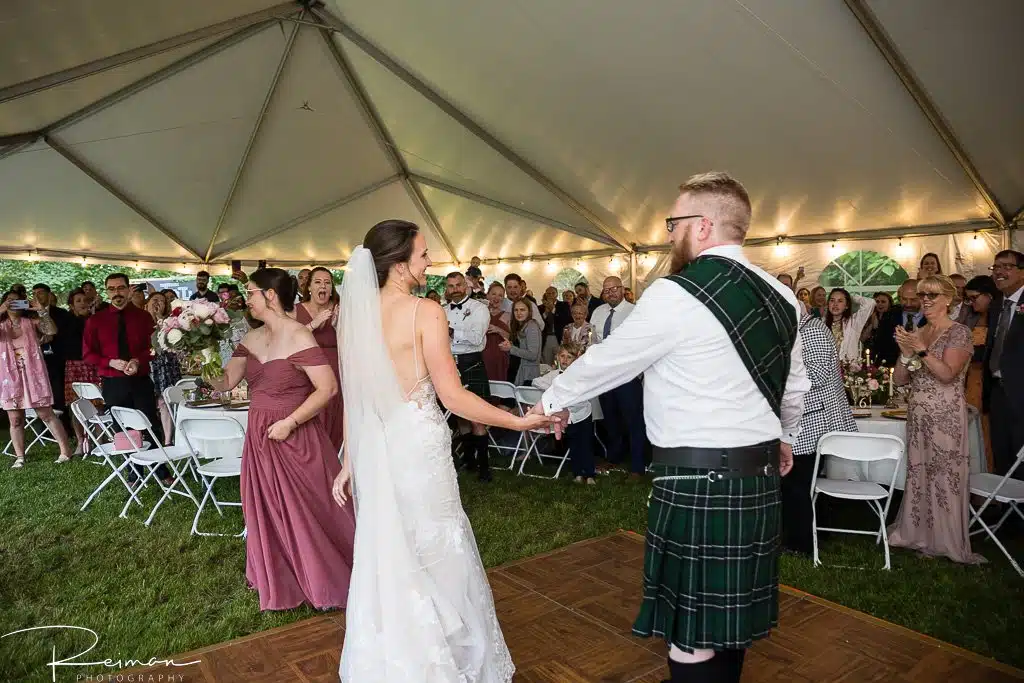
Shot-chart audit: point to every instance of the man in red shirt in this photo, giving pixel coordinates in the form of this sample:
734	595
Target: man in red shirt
117	340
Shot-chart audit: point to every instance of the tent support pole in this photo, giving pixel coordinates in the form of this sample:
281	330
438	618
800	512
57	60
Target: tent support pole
384	138
120	195
75	73
227	250
902	69
613	232
253	137
514	210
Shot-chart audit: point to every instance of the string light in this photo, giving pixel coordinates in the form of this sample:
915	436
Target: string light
581	266
33	255
84	260
614	265
551	267
527	265
976	244
780	248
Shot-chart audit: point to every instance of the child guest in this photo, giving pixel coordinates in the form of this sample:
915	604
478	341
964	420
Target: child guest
579	434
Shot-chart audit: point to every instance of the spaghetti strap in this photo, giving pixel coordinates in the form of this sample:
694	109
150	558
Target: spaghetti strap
415	354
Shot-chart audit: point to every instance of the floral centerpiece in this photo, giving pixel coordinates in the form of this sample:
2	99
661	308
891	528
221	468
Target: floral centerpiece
196	329
866	384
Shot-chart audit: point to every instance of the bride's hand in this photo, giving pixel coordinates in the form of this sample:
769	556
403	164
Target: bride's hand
342	487
552	424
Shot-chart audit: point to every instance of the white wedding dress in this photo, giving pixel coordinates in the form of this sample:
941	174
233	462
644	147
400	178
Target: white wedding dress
420	608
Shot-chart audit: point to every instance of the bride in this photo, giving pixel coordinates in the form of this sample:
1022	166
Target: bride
419	607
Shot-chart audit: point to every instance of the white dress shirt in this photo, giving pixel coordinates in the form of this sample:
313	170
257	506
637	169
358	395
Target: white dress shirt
506	307
470	324
601	313
697	391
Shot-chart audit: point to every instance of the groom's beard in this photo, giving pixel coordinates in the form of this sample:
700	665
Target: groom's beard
682	255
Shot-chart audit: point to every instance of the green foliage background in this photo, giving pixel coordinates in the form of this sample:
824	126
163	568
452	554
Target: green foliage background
63	276
863	272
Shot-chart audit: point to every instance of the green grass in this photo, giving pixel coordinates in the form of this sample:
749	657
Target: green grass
158	591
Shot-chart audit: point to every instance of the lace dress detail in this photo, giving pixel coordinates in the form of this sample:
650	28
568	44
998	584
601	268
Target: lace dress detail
452	609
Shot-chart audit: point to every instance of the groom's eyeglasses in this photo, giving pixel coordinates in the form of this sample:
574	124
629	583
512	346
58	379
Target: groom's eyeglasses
670	223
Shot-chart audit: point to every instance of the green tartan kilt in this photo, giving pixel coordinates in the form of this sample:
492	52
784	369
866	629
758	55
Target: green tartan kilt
711	572
474	377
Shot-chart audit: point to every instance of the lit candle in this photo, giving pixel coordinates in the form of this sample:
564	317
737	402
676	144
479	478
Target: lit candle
891	371
867	356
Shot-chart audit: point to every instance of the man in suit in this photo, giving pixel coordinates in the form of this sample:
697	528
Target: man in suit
1003	382
826	409
883	340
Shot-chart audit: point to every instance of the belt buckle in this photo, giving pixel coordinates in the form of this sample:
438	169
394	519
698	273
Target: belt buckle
769	470
715	477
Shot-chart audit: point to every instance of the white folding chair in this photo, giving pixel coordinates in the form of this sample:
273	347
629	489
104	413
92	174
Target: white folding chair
861	448
1001	489
85	412
91	392
187	382
170	456
505	391
173	397
220	429
530	396
35	429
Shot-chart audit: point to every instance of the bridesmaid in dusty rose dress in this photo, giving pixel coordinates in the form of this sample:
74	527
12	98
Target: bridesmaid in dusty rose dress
933	518
299	541
319	314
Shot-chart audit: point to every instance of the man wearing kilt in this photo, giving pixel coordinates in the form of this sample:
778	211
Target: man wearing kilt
724	380
468	320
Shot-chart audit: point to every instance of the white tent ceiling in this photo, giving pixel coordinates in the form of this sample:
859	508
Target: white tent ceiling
195	131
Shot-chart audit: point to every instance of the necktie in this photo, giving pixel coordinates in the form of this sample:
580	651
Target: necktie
997	342
456	307
122	337
608	323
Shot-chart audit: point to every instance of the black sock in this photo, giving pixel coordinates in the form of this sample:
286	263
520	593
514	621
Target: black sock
735	659
714	670
483	464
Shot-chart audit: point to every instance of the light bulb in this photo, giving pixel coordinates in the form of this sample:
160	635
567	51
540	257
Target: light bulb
551	267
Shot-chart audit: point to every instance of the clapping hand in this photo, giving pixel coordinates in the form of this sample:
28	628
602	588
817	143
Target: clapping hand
320	318
909	342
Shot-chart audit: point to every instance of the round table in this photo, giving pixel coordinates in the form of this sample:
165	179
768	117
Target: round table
838	468
212	448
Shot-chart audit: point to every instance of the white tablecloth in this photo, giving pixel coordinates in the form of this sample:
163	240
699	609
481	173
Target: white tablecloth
221	448
837	468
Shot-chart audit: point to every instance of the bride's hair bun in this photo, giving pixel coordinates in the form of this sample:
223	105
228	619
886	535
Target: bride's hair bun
390	243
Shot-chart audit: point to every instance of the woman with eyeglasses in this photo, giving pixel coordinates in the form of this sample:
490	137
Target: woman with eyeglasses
933	516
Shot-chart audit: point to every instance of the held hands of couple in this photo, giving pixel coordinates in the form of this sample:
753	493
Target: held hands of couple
552	424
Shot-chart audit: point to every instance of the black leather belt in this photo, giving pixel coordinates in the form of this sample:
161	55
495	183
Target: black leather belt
724	463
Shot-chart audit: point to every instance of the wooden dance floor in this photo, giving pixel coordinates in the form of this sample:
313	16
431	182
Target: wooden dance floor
567	614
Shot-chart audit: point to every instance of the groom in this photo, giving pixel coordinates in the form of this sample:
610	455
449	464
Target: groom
724	381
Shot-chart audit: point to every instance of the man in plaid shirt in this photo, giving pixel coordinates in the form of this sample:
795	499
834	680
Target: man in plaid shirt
724	381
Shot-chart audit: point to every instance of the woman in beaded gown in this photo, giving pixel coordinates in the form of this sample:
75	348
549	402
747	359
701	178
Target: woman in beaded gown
299	543
319	313
933	518
420	609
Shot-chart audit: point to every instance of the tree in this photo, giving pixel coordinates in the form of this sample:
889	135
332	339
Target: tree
567	278
864	272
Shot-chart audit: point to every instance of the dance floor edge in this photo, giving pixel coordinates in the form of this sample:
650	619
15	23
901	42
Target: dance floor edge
567	614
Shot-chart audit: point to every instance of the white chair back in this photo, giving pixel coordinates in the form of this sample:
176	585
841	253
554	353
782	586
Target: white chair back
861	447
503	390
212	429
87	390
129	418
83	410
528	395
187	383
